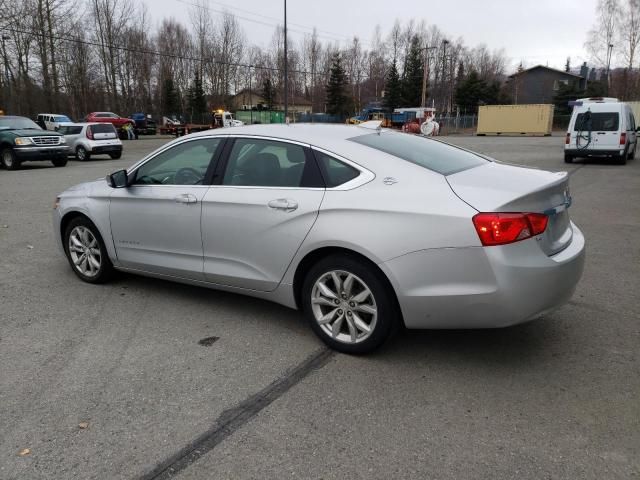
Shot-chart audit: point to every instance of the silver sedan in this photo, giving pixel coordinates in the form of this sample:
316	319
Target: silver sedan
364	230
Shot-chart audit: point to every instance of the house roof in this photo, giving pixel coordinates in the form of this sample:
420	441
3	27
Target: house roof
546	68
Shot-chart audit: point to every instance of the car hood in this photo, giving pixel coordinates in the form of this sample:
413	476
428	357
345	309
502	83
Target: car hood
89	189
32	133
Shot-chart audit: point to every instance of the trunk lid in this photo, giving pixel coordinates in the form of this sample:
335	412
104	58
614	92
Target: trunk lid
496	187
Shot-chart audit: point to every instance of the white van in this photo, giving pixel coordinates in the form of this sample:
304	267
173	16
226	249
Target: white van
601	127
51	121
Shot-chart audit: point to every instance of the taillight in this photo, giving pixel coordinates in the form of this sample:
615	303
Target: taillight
89	133
568	139
623	138
503	228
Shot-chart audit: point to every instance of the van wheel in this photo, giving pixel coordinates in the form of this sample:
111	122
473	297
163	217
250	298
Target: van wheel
632	155
568	158
620	159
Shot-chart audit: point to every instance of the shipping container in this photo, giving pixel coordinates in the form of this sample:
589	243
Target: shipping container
515	119
260	116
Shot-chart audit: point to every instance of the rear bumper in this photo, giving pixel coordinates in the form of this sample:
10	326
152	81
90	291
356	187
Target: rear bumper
588	152
41	153
106	149
484	287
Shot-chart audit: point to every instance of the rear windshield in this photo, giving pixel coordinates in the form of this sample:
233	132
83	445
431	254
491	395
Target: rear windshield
70	129
597	121
103	128
428	153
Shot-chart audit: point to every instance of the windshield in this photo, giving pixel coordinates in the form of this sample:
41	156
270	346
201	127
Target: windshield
18	123
61	119
428	153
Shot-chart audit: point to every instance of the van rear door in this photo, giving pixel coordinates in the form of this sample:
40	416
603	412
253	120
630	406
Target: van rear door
605	129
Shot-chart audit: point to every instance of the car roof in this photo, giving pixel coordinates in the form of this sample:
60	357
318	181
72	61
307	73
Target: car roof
80	124
14	116
320	135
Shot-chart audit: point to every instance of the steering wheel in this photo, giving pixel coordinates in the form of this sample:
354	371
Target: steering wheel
187	176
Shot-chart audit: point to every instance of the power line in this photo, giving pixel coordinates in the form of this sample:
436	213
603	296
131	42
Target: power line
112	46
327	35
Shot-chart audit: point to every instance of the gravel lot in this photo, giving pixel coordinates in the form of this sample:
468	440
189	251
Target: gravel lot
557	398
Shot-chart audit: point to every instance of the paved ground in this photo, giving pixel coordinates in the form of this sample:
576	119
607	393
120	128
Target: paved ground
557	398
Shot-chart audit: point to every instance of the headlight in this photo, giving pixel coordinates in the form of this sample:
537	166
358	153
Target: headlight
23	141
63	140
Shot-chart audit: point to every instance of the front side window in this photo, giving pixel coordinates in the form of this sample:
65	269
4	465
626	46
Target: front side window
334	171
183	164
265	163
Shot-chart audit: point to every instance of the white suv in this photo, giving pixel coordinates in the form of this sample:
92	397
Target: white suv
87	139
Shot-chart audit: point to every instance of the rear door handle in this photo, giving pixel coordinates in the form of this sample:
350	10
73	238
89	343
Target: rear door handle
283	204
186	198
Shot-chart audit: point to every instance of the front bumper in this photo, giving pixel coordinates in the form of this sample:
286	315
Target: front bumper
484	287
41	153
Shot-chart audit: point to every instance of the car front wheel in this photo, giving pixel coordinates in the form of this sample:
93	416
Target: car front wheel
59	162
9	160
86	251
349	305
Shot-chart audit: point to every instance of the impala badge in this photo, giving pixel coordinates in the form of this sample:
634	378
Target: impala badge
389	181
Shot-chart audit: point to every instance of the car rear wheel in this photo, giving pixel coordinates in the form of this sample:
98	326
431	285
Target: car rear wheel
621	159
9	160
86	251
568	158
349	305
115	156
82	154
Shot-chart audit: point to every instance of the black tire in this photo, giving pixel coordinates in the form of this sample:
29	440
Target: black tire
82	154
106	270
568	158
621	159
60	162
115	156
382	296
8	159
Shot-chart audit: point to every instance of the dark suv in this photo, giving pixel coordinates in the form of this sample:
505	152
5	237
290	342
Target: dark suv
23	140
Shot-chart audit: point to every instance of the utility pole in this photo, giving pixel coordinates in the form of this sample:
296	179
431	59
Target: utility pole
445	42
250	98
609	53
425	76
286	66
6	86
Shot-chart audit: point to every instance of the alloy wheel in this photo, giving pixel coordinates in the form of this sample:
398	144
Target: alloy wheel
7	158
344	306
85	251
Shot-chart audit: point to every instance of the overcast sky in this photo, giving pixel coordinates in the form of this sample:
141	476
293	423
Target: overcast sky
534	31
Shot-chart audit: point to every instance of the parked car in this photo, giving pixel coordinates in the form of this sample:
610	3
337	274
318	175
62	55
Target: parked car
144	124
601	127
88	139
362	230
51	121
112	118
22	140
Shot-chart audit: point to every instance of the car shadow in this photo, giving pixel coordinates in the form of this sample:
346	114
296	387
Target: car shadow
515	346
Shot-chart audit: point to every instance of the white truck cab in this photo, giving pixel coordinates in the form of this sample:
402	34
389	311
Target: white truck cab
601	127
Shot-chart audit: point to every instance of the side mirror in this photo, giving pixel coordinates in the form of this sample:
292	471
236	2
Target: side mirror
118	179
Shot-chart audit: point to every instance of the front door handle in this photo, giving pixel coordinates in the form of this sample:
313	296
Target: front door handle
186	198
285	204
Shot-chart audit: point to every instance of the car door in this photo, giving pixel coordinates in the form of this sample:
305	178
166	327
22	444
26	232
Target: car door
256	215
155	221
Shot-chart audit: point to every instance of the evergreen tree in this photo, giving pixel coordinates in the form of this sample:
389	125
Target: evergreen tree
392	89
567	66
474	91
268	93
196	99
564	95
170	97
412	75
337	100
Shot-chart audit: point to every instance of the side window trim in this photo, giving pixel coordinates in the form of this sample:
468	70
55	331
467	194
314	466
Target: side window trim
365	176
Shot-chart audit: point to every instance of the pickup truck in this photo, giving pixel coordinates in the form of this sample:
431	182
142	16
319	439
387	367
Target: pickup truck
21	140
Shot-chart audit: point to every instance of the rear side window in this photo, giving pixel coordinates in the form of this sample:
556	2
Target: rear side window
428	153
597	121
334	171
69	130
103	128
